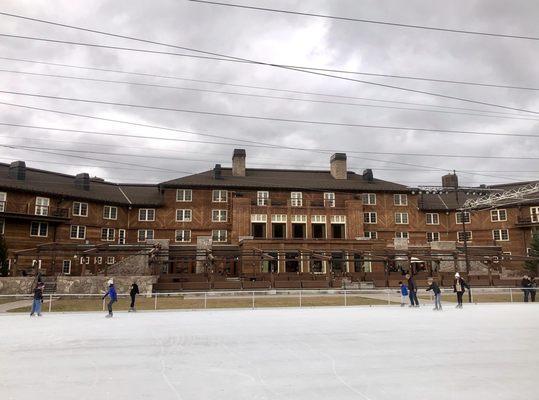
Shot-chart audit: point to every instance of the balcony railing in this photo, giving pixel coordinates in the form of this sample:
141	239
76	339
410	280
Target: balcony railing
10	207
295	204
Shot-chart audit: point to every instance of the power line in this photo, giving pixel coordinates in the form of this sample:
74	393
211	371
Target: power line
275	119
251	94
369	21
256	87
239	59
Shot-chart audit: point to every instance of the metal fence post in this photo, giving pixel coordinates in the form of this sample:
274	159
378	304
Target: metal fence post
155	302
300	298
103	304
50	302
388	298
511	294
345	299
471	295
205	300
253	300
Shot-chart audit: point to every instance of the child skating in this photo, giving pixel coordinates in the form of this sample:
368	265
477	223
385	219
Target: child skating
404	293
111	292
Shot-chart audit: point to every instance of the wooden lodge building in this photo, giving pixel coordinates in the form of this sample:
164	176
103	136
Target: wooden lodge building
244	227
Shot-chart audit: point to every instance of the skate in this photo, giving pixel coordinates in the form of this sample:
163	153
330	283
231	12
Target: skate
39	315
130	309
108	316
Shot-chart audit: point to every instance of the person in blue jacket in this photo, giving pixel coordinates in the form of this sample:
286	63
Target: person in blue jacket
404	293
113	297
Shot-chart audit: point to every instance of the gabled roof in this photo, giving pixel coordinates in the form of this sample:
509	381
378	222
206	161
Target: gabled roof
285	179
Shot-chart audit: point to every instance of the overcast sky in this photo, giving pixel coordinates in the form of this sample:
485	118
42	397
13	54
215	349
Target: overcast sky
282	39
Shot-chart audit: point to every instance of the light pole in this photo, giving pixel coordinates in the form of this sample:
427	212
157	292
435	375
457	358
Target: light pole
463	221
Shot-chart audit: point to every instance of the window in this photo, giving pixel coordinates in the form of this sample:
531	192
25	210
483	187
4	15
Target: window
219	196
110	212
219	235
329	199
369	199
184	216
2	226
146	214
500	234
401	218
460	236
66	267
318	219
459	217
42	205
183	235
108	234
338	219
121	236
498	215
296	199
145	234
401	235
80	209
184	195
98	260
219	215
110	260
369	218
279	218
3	196
400	199
534	213
433	237
262	198
318	226
371	235
39	229
78	232
262	218
433	219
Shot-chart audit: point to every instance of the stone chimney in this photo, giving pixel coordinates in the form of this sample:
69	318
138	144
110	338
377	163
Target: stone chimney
338	168
82	181
17	170
450	181
238	162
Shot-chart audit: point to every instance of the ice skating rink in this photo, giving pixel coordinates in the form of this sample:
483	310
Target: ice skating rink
379	353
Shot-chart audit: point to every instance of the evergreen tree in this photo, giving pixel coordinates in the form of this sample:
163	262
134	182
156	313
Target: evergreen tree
3	257
533	265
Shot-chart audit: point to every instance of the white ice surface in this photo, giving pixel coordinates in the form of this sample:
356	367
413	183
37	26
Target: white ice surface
484	352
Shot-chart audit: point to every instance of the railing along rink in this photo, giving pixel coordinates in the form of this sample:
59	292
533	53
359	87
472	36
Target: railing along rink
260	299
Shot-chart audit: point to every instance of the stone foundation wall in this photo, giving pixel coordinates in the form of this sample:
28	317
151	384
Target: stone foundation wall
98	284
17	285
131	266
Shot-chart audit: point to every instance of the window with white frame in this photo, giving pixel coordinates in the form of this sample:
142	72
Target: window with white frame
219	235
460	236
329	199
98	260
369	199
145	234
219	215
110	212
369	218
184	195
371	234
296	199
3	197
498	215
400	199
298	219
80	209
122	236
433	236
401	235
42	205
401	218
183	235
262	198
146	214
78	232
433	219
534	213
500	234
39	229
184	215
260	218
66	267
462	215
111	260
279	218
108	234
219	196
2	226
338	219
317	219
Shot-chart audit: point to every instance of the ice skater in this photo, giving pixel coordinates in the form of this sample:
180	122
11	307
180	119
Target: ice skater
412	291
437	294
111	292
133	293
526	284
533	288
459	287
38	299
404	293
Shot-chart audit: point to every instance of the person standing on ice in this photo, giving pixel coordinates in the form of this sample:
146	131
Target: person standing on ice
133	293
113	297
404	293
459	287
412	291
526	284
437	294
38	299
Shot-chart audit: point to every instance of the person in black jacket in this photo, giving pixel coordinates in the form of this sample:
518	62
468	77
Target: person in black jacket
459	287
412	291
133	293
533	288
526	285
437	294
38	299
